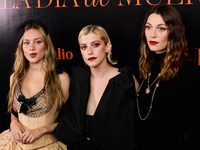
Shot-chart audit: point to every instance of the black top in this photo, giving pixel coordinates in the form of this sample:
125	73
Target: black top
87	125
175	112
112	125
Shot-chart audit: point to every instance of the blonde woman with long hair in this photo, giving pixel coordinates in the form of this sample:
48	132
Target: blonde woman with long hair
37	91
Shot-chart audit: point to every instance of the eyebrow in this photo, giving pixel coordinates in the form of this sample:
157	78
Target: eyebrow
82	44
158	24
33	39
91	42
95	41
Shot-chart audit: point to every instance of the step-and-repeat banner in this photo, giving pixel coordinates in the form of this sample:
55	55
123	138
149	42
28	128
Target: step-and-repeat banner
122	20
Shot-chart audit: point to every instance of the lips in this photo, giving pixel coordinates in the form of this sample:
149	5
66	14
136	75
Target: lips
153	42
32	55
92	58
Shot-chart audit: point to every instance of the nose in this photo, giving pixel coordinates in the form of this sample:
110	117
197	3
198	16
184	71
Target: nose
32	46
90	51
153	33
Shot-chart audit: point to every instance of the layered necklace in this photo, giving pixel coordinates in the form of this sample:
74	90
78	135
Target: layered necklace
147	91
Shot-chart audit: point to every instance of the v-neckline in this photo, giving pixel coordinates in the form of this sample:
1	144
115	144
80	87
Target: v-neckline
101	98
34	96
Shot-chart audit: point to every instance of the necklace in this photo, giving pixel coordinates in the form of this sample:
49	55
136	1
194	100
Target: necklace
152	98
147	91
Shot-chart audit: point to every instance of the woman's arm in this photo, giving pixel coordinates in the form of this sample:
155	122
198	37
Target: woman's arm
31	135
191	95
15	127
65	81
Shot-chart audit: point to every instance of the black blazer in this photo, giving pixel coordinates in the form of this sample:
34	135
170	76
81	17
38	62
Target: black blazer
112	126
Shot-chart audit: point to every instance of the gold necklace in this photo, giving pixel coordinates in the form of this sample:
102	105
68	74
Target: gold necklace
152	98
147	91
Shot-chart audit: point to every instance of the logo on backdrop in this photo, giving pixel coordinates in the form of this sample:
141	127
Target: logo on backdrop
16	4
63	55
68	55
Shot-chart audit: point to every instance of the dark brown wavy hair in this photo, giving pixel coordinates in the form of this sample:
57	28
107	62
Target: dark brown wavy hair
176	46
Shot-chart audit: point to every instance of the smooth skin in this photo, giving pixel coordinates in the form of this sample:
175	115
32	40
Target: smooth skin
32	83
156	33
93	50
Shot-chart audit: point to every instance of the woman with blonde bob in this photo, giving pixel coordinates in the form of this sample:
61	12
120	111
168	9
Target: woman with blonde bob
104	36
100	110
168	97
37	92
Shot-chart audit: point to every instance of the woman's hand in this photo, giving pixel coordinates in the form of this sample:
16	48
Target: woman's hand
30	136
16	131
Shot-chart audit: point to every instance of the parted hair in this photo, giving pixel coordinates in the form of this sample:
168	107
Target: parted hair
96	29
176	45
52	84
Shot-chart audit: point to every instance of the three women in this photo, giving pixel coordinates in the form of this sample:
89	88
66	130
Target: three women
100	111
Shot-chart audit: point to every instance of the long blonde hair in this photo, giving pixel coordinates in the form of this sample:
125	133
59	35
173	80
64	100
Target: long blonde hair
96	29
52	85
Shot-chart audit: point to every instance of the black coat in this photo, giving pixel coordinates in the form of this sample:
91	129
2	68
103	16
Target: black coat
112	126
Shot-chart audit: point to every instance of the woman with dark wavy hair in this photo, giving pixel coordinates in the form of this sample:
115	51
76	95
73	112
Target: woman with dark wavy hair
168	101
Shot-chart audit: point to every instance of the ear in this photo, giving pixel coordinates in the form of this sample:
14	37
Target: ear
108	47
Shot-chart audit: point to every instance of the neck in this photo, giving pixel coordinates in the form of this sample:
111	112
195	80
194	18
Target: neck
36	68
101	71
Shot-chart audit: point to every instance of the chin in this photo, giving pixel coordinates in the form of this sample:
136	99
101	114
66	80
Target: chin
92	66
153	50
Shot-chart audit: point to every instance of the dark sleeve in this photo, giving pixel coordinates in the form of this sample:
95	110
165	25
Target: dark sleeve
70	127
191	91
66	130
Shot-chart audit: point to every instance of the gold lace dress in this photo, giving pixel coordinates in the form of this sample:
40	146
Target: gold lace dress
40	114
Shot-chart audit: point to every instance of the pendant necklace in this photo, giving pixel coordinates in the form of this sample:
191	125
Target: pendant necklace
147	91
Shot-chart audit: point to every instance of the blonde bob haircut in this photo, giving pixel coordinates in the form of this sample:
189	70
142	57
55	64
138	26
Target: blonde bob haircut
52	85
96	29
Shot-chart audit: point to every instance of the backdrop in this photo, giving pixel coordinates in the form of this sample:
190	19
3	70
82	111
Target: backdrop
122	20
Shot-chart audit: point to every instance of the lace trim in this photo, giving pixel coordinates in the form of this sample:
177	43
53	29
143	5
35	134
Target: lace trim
40	108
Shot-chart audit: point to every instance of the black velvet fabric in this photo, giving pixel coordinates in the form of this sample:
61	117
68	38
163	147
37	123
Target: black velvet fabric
21	28
174	121
112	126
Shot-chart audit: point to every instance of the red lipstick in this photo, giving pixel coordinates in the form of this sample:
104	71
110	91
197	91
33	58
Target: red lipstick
32	55
153	42
92	58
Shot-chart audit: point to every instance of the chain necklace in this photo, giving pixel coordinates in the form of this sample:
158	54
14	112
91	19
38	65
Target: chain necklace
147	92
